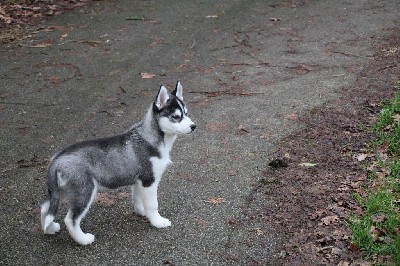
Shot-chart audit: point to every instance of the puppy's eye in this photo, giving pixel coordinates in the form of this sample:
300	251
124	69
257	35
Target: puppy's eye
176	117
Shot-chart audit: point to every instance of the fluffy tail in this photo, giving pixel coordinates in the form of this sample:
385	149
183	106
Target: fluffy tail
50	207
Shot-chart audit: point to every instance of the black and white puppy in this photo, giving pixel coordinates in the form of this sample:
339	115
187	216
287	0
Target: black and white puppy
136	158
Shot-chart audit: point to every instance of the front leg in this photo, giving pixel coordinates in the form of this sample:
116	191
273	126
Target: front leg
150	203
137	200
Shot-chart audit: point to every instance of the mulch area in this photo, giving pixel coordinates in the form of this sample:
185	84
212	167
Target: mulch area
309	205
16	16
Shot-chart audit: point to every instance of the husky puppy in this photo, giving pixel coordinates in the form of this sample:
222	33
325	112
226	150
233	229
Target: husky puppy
136	158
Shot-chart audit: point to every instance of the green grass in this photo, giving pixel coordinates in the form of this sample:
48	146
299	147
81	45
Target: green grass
387	127
377	232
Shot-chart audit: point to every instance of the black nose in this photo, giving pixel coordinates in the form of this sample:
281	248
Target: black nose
193	127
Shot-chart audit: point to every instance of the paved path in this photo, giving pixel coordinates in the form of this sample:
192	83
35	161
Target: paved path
248	68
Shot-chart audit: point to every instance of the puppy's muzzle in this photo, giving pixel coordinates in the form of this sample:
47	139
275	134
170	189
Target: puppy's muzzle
192	127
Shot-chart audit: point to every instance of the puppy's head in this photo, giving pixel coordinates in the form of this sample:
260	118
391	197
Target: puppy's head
172	113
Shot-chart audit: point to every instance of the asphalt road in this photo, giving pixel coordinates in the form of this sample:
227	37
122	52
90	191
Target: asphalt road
248	68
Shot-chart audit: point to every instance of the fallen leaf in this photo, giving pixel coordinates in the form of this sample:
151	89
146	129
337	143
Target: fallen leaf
336	251
232	173
362	157
92	43
12	187
376	233
215	201
292	116
44	44
343	263
343	188
105	199
54	79
122	195
259	232
147	75
242	129
57	27
340	235
362	263
396	118
202	222
353	246
6	19
330	219
378	218
308	164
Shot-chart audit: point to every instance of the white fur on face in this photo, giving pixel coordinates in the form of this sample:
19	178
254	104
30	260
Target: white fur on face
174	128
177	113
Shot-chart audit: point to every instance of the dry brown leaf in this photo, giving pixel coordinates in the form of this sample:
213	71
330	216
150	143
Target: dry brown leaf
396	118
330	219
92	43
145	75
54	79
343	263
242	129
41	45
292	116
361	262
215	201
105	199
336	251
378	218
353	246
259	232
232	173
376	233
362	157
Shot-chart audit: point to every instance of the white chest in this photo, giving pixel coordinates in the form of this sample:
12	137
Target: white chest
160	164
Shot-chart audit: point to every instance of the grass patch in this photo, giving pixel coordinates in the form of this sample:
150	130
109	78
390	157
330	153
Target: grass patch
377	232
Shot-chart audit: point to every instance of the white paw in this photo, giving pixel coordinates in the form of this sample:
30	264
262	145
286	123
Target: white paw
53	228
160	222
85	239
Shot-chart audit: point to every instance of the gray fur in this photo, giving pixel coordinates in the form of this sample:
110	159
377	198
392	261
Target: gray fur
129	159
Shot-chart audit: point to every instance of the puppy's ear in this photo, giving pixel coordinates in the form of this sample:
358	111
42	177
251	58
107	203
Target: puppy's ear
162	98
178	91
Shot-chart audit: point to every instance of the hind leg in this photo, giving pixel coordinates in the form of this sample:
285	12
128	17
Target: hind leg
48	225
79	206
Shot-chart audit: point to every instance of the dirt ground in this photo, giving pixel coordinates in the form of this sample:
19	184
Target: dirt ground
17	17
315	202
